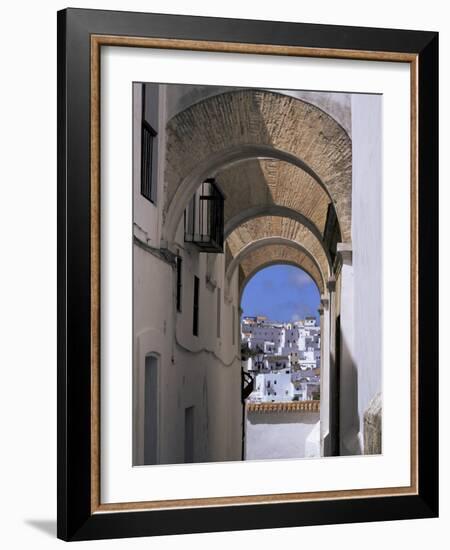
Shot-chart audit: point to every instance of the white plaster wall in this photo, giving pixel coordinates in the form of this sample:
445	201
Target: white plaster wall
202	371
275	386
194	371
195	263
147	215
367	243
153	322
271	435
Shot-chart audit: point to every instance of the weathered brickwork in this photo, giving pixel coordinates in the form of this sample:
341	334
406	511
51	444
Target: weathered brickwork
283	254
275	122
263	183
276	226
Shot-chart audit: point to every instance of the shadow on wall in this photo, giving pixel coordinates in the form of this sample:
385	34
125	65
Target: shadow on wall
344	413
356	436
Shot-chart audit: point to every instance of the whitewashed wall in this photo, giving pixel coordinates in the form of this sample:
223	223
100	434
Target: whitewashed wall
201	371
147	216
367	243
271	435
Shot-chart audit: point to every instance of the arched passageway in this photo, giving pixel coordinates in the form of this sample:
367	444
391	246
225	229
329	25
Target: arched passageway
220	131
246	179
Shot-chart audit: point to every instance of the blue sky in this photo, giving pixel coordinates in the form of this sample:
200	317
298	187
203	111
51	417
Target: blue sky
282	292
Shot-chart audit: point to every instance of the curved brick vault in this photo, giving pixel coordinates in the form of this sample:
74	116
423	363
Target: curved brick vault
256	184
264	228
278	254
243	124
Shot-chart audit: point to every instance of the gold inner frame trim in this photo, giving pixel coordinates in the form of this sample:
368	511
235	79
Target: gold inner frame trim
97	41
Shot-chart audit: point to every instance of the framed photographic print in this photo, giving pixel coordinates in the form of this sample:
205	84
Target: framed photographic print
247	255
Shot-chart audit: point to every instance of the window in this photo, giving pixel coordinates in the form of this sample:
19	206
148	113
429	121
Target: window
332	235
189	434
151	397
147	184
179	263
219	312
203	218
196	306
149	145
233	325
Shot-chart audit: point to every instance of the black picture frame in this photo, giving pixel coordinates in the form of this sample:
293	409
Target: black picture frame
75	475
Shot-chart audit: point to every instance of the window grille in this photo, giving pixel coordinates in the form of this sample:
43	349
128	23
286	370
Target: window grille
219	313
148	186
204	219
196	306
332	234
179	282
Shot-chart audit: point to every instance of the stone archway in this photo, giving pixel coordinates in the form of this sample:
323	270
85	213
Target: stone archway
244	124
269	210
275	253
262	230
271	242
275	157
272	184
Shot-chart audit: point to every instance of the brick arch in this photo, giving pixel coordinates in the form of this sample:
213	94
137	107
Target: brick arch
242	124
268	243
260	229
278	254
258	184
271	210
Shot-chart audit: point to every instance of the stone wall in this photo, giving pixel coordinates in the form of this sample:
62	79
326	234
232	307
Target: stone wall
373	426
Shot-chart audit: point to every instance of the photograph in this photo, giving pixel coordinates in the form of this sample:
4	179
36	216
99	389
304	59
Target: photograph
247	274
222	259
257	273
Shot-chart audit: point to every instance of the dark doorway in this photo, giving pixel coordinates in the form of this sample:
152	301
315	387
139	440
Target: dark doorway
151	410
189	434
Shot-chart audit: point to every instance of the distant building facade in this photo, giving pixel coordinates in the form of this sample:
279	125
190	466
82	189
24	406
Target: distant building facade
283	357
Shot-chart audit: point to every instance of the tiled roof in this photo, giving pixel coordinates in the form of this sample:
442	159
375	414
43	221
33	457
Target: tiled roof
287	406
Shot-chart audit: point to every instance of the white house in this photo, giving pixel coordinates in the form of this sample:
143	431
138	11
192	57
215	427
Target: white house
273	386
298	351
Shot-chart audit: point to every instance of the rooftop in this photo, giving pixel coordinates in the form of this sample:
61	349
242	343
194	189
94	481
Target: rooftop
287	406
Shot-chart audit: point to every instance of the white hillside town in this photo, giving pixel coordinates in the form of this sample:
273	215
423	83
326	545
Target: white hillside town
283	358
